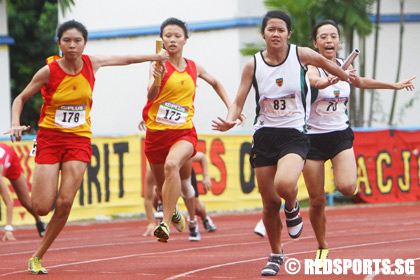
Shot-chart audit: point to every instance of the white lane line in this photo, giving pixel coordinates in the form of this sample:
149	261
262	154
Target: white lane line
151	240
292	254
140	255
342	233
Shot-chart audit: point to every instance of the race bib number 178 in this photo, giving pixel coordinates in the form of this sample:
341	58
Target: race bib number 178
70	116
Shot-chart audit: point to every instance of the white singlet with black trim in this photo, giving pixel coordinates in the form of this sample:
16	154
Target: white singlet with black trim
282	92
329	110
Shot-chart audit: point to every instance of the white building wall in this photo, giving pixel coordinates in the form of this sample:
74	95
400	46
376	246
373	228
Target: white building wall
120	92
218	52
107	15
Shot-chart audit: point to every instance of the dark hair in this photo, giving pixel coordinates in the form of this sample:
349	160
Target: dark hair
322	23
69	25
276	14
174	21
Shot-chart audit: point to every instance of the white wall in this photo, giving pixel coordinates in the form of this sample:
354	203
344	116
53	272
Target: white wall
106	14
120	92
218	52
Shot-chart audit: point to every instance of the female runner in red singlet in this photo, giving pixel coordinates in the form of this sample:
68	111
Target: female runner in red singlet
171	137
64	137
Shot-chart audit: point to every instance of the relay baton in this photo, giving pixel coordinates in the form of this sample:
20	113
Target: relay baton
349	59
158	79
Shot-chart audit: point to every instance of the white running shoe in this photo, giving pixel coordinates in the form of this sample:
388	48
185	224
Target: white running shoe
194	233
294	221
208	224
260	229
159	211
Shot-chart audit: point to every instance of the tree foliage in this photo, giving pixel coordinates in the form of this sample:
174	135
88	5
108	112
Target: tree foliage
32	24
349	14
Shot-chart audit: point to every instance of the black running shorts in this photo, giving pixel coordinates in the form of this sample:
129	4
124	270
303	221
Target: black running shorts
271	144
325	146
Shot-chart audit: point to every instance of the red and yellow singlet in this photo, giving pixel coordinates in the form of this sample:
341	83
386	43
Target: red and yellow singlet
68	99
173	109
10	161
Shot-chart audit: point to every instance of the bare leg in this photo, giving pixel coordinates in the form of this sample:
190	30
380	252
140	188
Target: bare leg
22	192
148	202
169	183
313	173
288	171
185	174
71	178
4	192
345	172
190	205
271	206
275	182
200	209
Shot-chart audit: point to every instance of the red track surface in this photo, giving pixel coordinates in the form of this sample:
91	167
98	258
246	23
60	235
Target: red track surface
117	250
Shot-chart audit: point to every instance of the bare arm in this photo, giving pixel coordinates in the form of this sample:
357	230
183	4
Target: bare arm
236	108
142	125
367	83
220	90
316	81
217	86
202	159
152	90
310	57
40	79
99	61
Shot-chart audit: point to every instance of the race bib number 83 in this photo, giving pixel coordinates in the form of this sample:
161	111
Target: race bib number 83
281	106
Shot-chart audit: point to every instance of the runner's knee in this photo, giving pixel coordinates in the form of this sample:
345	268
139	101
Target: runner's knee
318	201
347	189
187	190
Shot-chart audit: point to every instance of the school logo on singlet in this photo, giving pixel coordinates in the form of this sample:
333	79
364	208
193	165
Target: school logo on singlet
336	93
279	82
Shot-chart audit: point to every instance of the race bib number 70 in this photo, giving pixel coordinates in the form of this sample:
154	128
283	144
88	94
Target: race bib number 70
331	106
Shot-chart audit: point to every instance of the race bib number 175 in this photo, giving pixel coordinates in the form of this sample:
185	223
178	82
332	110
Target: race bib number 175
171	114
